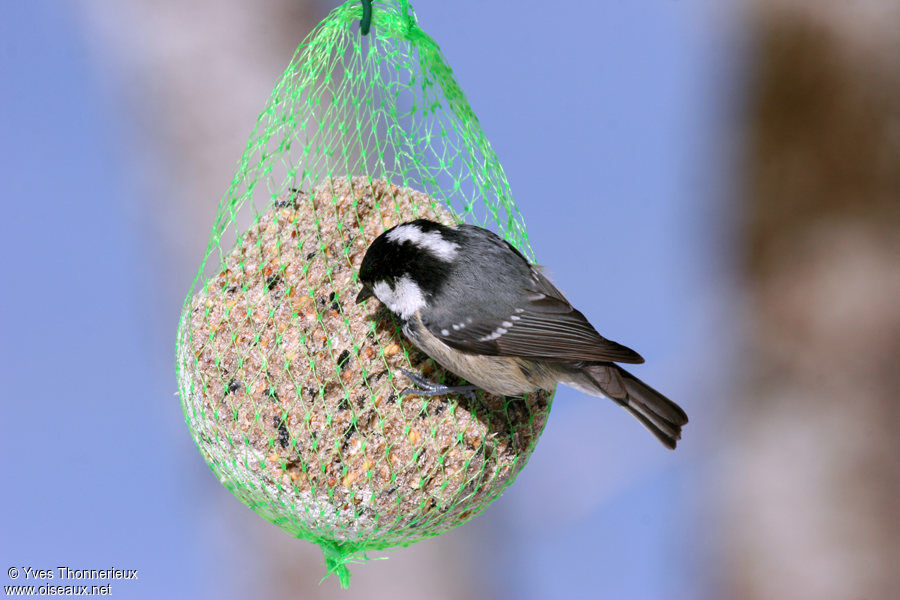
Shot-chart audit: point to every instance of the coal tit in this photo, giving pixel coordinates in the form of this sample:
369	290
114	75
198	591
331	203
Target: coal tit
474	304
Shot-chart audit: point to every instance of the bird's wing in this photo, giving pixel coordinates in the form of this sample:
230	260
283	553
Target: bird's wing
545	327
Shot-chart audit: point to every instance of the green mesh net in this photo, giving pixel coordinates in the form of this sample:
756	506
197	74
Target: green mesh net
289	388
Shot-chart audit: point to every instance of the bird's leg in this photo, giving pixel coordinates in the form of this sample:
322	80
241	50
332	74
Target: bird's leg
430	388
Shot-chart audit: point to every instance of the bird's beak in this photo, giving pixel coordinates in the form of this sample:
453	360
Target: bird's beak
364	294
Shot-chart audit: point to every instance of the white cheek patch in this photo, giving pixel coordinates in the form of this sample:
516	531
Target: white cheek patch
430	241
403	299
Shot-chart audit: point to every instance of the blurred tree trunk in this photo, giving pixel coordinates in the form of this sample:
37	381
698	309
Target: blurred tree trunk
813	504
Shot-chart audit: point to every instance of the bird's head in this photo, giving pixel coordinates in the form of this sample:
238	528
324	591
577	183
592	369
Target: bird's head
407	264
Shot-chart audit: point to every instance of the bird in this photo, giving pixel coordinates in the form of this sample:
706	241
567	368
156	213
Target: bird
472	302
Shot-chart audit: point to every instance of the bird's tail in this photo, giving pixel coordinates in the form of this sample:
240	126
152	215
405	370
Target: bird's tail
657	413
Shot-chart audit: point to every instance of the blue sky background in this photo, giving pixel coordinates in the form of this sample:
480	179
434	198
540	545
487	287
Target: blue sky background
91	469
612	121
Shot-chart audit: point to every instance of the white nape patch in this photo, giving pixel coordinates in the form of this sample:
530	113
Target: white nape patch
431	241
404	299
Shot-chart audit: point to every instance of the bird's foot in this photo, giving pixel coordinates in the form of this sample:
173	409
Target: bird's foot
430	388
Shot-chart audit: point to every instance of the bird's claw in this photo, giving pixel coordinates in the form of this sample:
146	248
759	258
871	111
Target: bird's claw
430	388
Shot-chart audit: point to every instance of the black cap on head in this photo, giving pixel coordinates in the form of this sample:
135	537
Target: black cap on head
390	257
